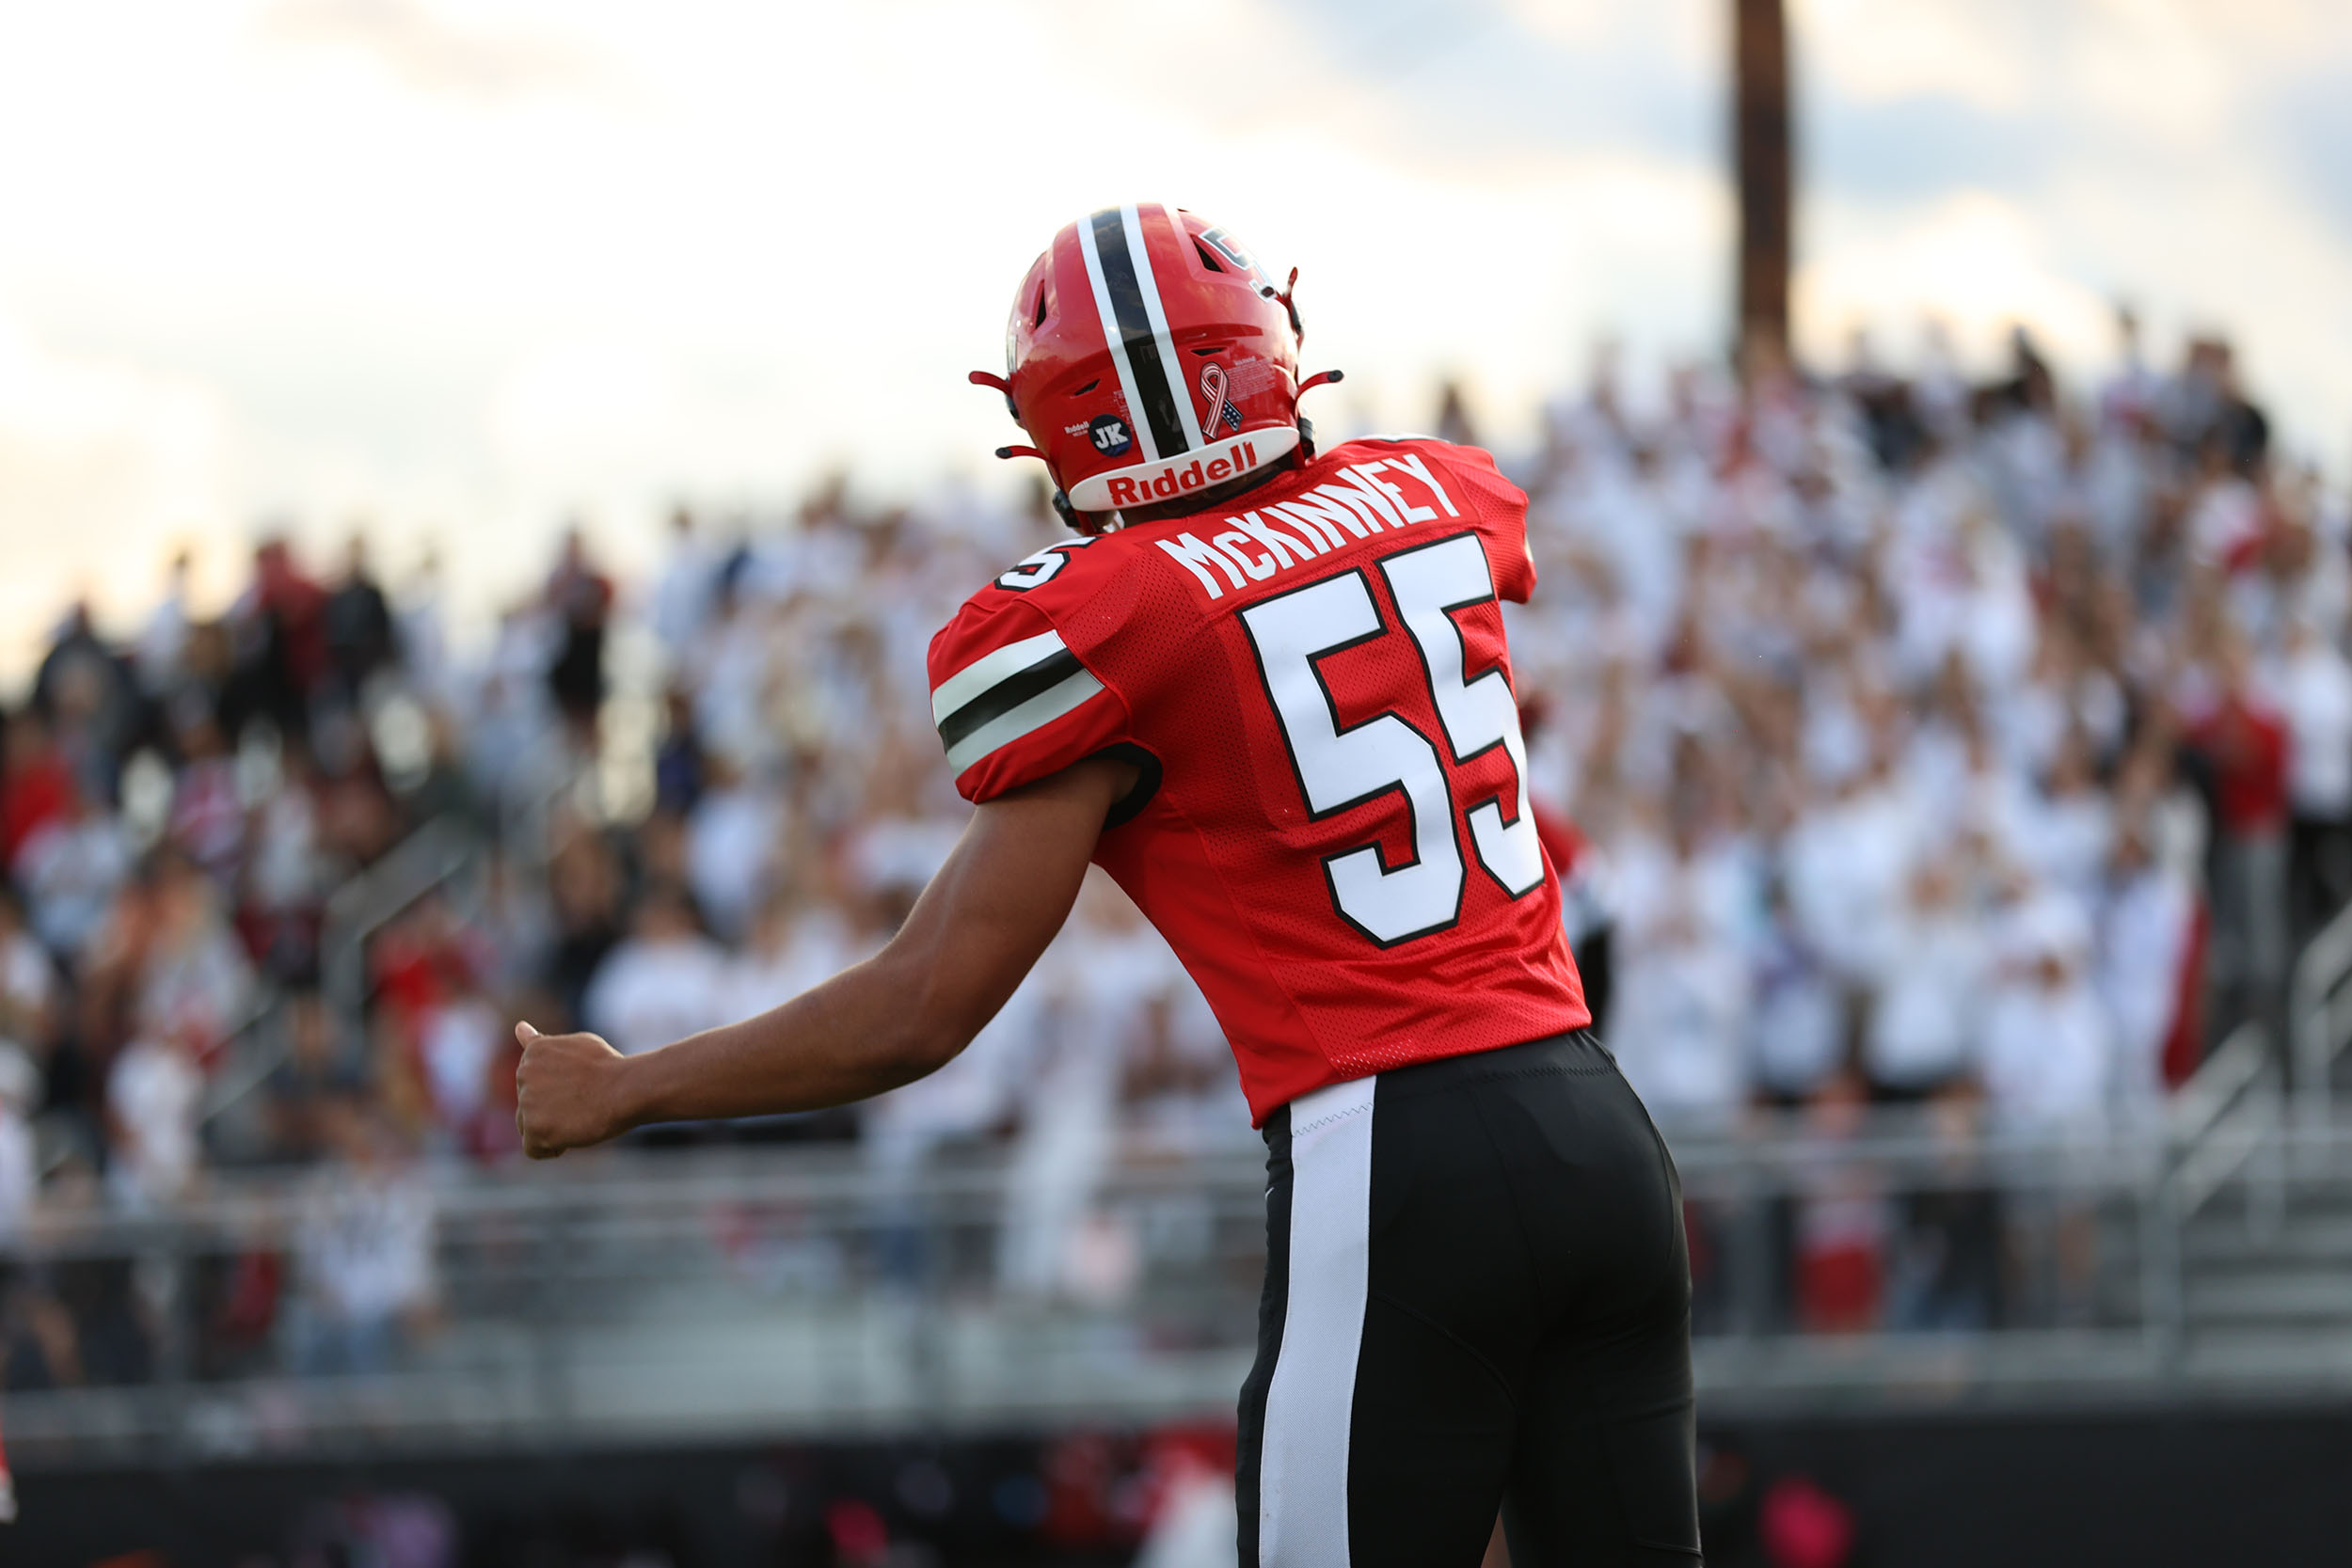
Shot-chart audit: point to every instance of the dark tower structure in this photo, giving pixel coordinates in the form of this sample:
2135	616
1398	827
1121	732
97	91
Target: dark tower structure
1760	134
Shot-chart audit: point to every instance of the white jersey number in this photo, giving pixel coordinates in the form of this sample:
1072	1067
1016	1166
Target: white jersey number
1339	769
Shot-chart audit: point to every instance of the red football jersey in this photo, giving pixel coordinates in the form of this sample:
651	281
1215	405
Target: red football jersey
1332	826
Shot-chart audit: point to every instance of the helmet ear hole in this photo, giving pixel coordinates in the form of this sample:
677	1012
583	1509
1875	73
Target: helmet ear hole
1038	320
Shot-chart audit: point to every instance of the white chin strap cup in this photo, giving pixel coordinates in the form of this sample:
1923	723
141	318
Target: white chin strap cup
1173	478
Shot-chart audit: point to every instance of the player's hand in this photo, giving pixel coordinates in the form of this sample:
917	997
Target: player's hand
567	1092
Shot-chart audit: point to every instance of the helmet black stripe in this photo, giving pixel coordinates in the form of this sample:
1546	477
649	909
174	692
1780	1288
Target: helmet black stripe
1152	385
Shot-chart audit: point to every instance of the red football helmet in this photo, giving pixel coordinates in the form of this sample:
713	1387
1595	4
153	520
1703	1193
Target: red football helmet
1149	357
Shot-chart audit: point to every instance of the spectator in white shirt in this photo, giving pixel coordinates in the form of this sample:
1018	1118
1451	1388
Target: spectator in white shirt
663	982
70	869
2045	1049
1797	1019
1106	971
28	984
683	594
153	1096
1927	1008
2145	935
1849	860
364	1251
2064	831
162	649
20	1175
731	845
1683	985
457	1041
2312	684
194	983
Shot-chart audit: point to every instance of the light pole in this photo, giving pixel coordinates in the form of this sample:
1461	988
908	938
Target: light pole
1761	156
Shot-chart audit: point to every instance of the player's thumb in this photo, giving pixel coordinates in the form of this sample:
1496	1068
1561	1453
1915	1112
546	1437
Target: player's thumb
524	1033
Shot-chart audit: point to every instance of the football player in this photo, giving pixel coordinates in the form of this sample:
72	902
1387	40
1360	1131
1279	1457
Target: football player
1265	687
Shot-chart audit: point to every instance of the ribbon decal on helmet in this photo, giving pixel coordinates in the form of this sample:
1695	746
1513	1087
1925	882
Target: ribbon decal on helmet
1221	413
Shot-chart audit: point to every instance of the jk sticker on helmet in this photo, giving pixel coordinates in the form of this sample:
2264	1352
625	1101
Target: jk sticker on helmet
1110	435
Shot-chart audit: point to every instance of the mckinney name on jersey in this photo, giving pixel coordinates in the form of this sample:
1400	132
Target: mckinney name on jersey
1360	503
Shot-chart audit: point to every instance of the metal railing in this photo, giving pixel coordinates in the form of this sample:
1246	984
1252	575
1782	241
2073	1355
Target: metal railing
2319	1010
432	858
425	861
2231	1114
714	1295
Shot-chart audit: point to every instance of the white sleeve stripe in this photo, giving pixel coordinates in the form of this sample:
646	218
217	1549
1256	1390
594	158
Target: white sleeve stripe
989	669
1037	712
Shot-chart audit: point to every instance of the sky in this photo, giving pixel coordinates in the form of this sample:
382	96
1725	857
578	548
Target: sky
448	274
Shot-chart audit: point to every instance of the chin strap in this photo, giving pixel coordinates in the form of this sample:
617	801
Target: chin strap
989	378
1282	298
1321	378
1087	523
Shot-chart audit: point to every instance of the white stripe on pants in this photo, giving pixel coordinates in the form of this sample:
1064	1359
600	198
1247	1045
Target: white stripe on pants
1302	1470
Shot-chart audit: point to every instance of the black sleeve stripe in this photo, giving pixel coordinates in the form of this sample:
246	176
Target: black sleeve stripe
1008	694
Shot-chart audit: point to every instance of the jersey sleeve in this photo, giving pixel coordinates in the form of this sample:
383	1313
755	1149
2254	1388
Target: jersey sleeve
1501	508
1013	702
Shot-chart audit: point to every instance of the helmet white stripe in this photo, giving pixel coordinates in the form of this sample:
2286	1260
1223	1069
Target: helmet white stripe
1158	313
1137	425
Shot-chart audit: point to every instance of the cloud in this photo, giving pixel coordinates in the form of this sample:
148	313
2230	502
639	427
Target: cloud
103	468
2308	119
1970	50
471	261
439	54
1974	261
1435	81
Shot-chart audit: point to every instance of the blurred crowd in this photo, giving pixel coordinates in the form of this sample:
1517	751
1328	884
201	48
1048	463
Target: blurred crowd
1941	741
1984	745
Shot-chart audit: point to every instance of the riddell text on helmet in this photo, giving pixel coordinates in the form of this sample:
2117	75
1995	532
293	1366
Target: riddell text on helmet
1357	505
1171	481
1184	473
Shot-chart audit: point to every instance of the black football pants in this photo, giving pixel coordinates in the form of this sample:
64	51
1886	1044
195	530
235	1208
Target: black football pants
1477	1297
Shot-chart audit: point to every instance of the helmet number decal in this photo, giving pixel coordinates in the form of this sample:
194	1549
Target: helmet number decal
1234	251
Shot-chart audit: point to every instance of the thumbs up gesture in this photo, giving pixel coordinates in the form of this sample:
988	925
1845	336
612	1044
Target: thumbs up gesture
567	1092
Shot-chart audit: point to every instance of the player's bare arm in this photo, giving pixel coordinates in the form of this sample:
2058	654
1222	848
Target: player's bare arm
902	1014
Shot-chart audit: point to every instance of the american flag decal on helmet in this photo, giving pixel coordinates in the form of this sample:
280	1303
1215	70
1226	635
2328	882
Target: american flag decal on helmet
1220	412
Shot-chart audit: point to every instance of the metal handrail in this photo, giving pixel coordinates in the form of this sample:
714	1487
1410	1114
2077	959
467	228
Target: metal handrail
2320	1010
240	1079
415	866
561	1288
2228	1112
